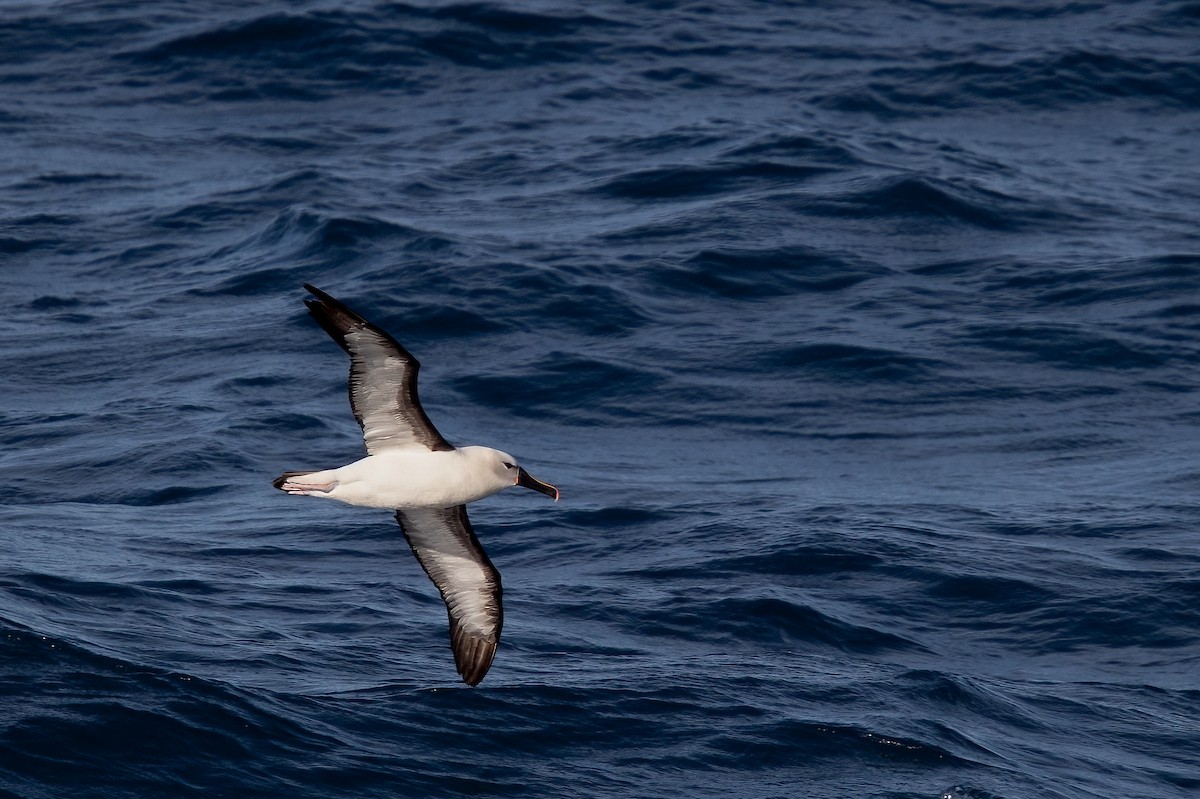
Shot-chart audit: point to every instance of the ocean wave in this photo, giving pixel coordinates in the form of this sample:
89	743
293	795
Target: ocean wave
15	245
849	362
989	595
763	619
799	560
311	55
1166	20
141	729
925	200
1068	346
807	148
756	746
504	18
37	235
559	383
762	273
1153	619
1018	283
697	181
1044	81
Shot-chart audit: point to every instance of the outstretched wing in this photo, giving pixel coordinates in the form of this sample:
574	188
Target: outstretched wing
383	379
446	546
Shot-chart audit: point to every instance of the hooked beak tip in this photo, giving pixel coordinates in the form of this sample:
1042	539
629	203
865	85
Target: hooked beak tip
524	478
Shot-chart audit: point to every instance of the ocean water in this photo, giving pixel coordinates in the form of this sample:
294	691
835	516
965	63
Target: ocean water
862	339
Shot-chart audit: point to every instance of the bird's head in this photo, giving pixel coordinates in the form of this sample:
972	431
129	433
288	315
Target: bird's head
506	467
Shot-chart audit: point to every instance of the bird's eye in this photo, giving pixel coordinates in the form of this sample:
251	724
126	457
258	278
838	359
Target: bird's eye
507	465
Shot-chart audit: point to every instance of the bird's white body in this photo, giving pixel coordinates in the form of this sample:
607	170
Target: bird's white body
412	477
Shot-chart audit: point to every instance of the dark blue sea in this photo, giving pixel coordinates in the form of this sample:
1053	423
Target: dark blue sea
862	339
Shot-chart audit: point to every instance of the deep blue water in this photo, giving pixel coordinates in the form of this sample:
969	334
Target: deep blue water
862	338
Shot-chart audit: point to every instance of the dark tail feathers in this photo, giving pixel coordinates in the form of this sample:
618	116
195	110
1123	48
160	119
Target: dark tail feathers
283	478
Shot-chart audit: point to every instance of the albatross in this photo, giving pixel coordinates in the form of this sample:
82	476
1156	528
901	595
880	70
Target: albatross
411	469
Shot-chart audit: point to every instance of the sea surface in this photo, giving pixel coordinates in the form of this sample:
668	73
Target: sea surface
862	339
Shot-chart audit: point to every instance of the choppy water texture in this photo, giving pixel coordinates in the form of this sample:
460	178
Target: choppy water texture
861	337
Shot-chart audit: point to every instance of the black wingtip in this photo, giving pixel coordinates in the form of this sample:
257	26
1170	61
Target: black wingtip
472	656
324	298
316	292
332	315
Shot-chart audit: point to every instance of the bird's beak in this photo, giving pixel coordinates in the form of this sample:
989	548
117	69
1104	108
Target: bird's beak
524	478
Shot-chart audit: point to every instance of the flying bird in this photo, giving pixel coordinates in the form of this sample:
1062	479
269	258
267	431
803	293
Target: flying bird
411	469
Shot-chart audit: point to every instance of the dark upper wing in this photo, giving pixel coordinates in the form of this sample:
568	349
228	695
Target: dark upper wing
446	546
383	379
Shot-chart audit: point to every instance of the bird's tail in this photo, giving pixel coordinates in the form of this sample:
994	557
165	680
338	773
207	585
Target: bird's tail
283	478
